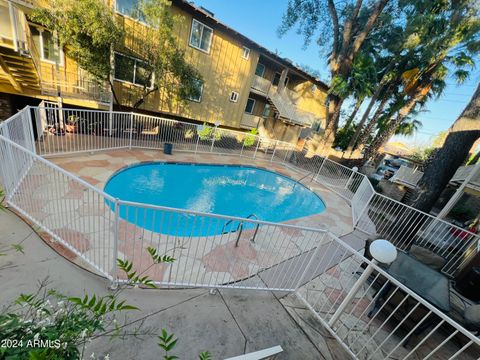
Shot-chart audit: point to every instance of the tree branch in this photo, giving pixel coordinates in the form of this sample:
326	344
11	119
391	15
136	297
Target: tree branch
336	30
142	99
347	29
360	38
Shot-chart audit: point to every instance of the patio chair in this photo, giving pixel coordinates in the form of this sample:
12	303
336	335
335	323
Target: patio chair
153	131
427	257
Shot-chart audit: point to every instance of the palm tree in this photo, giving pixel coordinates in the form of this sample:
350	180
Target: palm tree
408	128
347	27
443	36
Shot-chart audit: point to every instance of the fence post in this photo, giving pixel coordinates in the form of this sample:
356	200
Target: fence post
351	294
383	252
274	149
198	140
354	170
320	169
256	149
286	154
214	134
10	177
363	210
131	131
30	127
300	280
114	282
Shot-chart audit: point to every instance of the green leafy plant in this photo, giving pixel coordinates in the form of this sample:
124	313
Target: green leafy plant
206	132
250	138
65	325
87	30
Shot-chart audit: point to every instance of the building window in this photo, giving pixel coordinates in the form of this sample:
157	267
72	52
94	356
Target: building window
201	36
260	70
132	70
198	84
313	88
246	53
48	46
266	111
234	96
250	106
129	8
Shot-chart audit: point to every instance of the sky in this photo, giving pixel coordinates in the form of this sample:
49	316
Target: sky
259	20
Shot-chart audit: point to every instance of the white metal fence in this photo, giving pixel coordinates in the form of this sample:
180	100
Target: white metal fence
219	251
62	131
384	319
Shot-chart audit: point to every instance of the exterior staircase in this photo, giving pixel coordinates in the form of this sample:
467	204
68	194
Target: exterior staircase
20	70
19	58
286	108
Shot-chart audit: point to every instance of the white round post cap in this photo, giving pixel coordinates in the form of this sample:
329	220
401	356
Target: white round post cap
383	251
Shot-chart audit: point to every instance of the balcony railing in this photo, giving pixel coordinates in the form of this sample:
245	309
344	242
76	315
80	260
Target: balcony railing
463	172
79	85
261	84
250	121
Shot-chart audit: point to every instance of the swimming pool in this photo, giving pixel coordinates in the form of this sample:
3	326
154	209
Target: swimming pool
218	189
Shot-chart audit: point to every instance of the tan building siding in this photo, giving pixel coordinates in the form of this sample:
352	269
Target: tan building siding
223	69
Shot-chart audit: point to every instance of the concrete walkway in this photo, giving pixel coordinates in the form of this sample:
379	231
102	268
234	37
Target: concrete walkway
229	323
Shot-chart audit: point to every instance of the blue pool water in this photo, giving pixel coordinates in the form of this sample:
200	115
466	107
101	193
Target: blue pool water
218	189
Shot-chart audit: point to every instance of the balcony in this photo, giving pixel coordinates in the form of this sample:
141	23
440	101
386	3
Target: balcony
282	101
287	109
250	121
261	85
77	85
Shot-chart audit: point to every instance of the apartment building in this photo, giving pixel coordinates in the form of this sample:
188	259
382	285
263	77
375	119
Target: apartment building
243	85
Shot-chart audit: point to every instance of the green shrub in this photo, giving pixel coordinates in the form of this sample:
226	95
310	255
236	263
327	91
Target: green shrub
250	138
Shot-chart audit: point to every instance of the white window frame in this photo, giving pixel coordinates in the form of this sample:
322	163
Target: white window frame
263	71
264	108
201	35
42	54
253	106
247	51
234	96
134	72
201	94
117	10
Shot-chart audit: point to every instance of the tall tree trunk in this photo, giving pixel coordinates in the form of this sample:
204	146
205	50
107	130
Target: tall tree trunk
418	94
334	106
344	49
381	139
360	125
445	161
361	134
369	108
350	119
